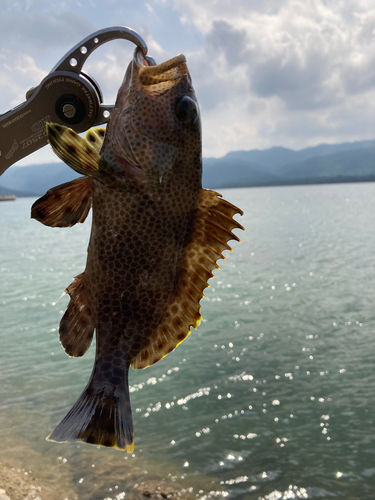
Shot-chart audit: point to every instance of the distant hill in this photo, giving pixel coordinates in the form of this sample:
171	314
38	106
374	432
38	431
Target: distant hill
224	172
354	163
275	157
346	162
6	192
36	179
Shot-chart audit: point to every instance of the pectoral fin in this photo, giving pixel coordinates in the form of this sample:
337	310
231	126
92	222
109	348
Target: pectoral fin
95	137
211	232
64	205
77	152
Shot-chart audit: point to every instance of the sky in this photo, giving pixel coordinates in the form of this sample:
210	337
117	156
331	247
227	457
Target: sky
292	73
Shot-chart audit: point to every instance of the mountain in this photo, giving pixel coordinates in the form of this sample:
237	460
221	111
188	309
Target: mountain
36	179
346	162
275	157
224	172
6	192
353	163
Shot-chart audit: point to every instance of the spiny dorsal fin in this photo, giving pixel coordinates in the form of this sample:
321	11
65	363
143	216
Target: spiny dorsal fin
212	231
77	325
64	205
95	137
76	152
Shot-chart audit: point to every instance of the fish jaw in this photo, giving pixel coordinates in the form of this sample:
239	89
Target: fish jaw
156	111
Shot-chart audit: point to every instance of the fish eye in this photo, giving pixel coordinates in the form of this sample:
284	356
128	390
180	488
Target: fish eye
186	110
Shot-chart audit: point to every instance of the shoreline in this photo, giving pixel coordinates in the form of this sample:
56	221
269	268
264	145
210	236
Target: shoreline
7	197
19	484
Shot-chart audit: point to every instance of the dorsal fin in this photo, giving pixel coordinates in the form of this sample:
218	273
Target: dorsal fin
77	324
212	231
77	153
64	205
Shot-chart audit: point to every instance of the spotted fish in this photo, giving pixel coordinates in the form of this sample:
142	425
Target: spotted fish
155	239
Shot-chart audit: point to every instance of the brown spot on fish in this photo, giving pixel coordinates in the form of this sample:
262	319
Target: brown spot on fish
39	214
52	133
94	137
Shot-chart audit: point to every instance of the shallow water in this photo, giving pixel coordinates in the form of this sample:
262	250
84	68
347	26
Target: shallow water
272	396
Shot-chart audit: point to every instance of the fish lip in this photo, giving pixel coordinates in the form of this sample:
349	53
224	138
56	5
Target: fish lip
155	80
167	70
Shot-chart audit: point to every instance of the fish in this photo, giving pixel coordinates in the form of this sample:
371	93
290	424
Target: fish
155	239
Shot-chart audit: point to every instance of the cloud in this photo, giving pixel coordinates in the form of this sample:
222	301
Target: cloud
230	41
16	77
289	72
203	14
277	72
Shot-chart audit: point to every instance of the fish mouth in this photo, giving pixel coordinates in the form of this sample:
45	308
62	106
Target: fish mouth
157	79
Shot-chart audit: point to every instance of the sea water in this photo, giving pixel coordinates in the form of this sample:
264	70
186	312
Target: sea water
272	397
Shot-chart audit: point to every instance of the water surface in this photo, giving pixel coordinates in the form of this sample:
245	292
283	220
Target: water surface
272	397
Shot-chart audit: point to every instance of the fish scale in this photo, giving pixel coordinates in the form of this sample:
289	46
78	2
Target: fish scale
156	237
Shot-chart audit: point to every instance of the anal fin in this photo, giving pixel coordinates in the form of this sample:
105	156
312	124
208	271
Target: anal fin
77	324
64	205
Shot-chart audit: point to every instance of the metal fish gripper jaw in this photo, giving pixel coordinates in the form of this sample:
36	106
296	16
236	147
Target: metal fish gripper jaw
67	96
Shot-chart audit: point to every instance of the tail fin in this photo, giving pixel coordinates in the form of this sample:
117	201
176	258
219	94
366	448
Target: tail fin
102	414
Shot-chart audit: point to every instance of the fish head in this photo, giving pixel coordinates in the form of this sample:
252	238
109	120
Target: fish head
155	125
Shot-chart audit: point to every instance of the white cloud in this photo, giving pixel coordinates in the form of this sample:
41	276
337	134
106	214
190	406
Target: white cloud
291	72
16	77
